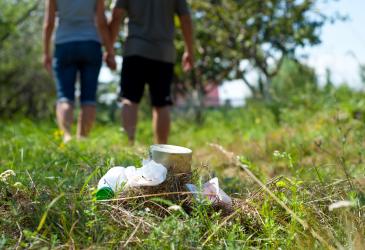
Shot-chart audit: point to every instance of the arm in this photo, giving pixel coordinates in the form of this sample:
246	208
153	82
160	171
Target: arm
187	30
114	25
48	26
102	26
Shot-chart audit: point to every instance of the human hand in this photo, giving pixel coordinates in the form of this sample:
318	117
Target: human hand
187	61
109	59
47	63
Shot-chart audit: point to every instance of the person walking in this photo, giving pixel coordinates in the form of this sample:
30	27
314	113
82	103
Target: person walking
77	50
149	57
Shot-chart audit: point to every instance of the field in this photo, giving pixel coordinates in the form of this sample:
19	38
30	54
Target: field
309	156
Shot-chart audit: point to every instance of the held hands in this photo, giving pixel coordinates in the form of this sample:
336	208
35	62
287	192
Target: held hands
109	59
188	61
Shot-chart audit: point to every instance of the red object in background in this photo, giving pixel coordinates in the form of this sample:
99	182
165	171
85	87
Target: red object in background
211	97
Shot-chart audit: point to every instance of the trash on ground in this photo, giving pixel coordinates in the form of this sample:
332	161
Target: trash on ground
150	174
212	192
341	204
175	158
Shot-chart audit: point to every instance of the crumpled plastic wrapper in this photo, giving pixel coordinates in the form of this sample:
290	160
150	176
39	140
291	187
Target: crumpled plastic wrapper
212	192
150	174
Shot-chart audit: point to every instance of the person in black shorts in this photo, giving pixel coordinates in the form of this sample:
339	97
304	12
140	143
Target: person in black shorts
149	56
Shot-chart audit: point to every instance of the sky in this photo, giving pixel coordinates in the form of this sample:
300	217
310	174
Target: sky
341	50
343	44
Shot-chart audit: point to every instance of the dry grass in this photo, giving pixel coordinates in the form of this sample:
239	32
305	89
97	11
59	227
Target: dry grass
326	155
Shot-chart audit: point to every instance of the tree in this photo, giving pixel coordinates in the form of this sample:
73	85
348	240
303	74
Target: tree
294	85
25	88
13	15
261	33
362	73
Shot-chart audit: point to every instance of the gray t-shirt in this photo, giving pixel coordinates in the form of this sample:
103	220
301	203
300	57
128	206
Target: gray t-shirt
76	21
151	27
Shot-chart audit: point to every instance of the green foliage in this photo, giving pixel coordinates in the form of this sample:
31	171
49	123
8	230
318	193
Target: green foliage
295	84
260	33
362	73
13	14
308	160
306	146
230	32
25	88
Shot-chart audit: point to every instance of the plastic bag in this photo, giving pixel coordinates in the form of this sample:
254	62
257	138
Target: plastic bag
212	192
150	174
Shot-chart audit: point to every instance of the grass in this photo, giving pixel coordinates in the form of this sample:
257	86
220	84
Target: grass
312	158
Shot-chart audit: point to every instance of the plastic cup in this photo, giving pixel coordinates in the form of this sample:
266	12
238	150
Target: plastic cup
176	159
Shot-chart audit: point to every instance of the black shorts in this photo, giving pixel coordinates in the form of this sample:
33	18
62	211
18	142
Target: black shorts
137	71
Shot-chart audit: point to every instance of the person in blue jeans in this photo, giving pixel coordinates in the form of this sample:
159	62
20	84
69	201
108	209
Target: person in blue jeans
82	27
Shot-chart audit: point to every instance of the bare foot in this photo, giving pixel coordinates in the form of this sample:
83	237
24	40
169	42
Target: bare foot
67	138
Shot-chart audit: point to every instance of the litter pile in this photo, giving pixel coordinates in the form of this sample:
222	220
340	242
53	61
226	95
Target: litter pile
164	184
152	179
153	175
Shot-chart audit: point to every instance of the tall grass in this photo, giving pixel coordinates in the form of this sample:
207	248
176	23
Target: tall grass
309	160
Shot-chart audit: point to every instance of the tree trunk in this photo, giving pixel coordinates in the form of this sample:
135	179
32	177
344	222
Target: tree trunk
198	95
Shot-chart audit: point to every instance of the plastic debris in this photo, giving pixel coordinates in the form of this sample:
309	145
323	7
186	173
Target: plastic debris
151	174
117	178
341	204
212	192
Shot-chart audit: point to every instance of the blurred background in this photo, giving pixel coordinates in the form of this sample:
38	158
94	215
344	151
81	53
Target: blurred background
279	83
278	52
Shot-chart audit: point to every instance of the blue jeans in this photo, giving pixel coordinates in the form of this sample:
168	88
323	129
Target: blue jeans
85	58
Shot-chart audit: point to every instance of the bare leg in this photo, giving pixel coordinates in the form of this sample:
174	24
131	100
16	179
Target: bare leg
129	118
64	111
161	124
86	120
